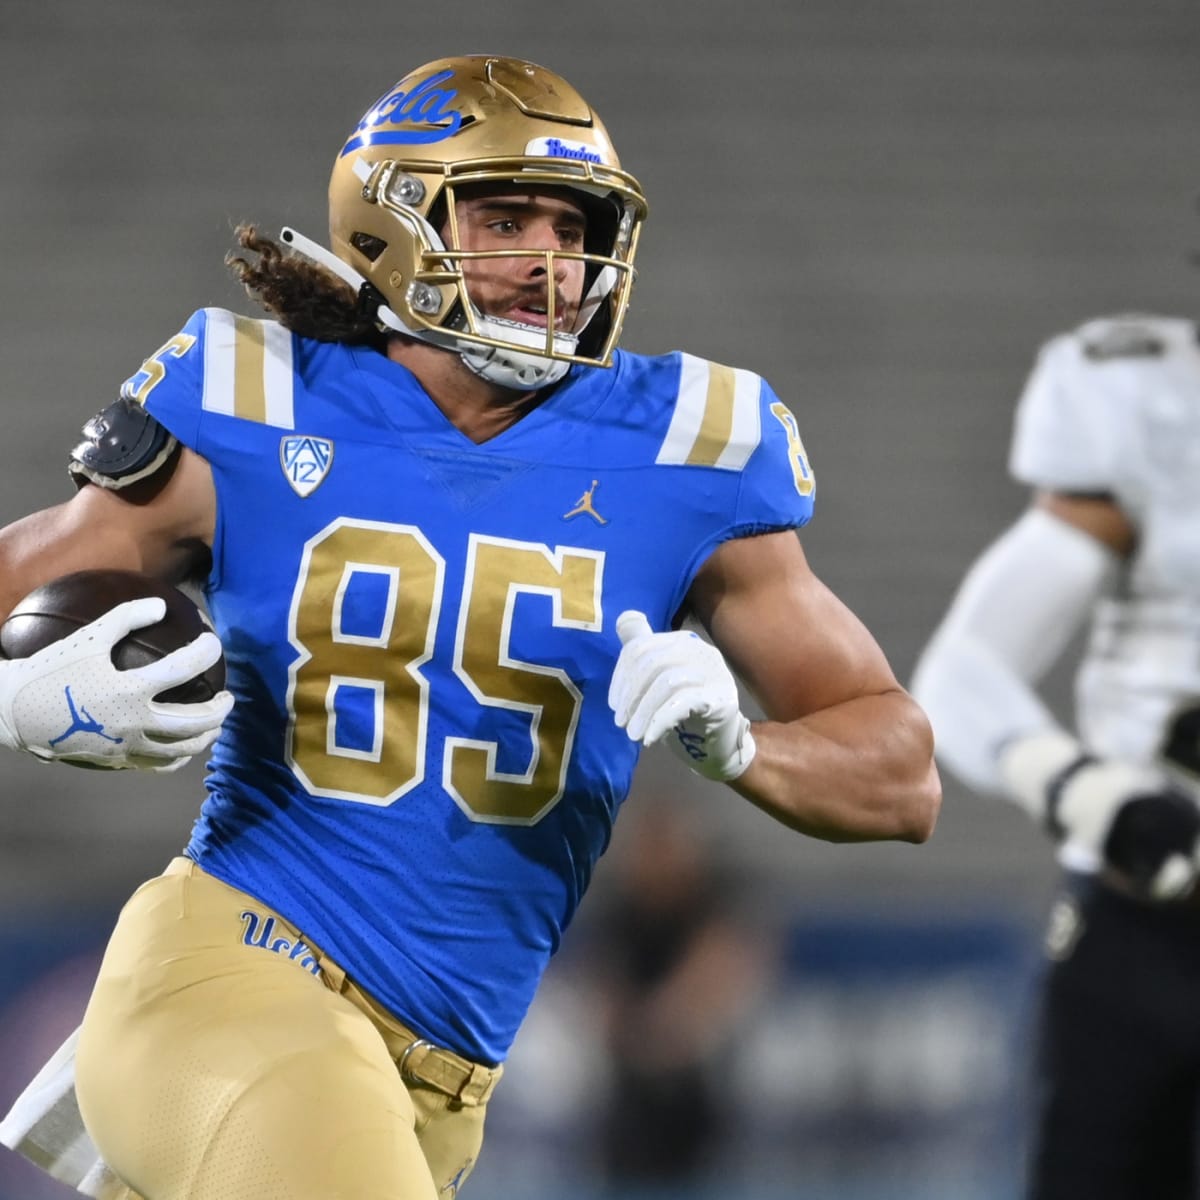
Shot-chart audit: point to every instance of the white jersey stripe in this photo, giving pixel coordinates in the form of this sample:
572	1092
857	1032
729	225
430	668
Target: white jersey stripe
277	375
220	335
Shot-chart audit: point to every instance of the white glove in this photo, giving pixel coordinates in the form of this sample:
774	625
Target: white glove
69	703
1127	816
677	684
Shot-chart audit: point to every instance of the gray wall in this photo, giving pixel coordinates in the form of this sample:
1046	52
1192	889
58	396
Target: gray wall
880	205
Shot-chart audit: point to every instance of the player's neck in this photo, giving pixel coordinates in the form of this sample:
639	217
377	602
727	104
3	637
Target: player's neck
478	409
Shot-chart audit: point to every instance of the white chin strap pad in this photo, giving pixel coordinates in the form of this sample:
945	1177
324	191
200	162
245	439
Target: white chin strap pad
514	368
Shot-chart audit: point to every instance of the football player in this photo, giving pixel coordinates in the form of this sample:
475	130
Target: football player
448	535
1108	437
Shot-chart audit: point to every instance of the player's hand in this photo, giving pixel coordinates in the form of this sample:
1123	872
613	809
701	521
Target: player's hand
675	686
1154	844
69	703
1143	830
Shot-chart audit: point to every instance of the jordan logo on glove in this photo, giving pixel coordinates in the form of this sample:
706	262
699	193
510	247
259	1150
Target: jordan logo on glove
82	721
140	730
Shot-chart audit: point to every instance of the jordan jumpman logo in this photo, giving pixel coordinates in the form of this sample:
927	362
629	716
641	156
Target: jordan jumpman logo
452	1187
82	721
584	505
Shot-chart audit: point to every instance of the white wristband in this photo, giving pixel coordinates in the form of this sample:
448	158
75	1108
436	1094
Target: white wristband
1028	765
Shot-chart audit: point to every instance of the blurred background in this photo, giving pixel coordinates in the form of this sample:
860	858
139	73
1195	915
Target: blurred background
882	206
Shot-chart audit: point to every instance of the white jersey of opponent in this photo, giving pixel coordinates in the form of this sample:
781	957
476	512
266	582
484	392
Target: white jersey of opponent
1114	408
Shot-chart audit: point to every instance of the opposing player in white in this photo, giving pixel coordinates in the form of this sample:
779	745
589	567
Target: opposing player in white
1108	437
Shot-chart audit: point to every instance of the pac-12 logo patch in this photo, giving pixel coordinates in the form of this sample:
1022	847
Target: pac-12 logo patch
305	461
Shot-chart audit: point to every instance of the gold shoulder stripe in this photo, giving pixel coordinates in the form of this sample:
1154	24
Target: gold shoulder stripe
716	420
248	369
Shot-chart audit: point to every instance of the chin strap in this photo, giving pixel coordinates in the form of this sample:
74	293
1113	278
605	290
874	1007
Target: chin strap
511	367
321	256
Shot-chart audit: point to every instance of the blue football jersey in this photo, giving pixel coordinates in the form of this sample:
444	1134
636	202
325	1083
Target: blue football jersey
422	769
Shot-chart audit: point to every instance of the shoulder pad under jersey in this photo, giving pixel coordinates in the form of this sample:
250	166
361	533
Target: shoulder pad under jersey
1072	430
1128	335
121	444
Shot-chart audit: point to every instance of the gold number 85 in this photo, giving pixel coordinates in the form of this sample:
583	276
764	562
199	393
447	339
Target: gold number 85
388	664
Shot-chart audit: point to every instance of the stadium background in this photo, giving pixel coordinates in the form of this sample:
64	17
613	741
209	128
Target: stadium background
882	206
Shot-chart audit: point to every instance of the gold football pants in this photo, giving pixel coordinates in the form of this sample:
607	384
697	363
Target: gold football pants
222	1058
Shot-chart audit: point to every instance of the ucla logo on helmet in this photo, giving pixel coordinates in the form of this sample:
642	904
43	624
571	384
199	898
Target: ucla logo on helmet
425	104
553	147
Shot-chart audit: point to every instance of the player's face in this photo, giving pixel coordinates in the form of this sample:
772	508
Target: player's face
519	288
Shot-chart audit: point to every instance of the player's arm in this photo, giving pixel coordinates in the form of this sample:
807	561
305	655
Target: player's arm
844	755
160	525
1018	607
1098	516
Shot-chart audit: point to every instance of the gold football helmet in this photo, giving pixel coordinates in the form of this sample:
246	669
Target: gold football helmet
476	121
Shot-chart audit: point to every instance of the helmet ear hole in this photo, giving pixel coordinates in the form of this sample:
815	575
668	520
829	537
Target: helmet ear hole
368	245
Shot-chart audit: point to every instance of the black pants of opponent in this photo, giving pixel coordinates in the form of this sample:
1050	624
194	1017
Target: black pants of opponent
1117	1093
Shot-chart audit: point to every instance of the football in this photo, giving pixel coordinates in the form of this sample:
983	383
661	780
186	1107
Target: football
63	605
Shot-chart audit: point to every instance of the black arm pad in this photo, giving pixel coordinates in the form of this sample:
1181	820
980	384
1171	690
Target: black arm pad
121	444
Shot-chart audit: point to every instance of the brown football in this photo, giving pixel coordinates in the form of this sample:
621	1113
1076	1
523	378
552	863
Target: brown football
63	605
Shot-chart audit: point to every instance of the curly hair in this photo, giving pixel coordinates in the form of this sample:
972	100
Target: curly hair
301	295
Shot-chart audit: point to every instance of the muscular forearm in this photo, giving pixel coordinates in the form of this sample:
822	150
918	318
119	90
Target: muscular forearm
165	535
54	542
859	771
